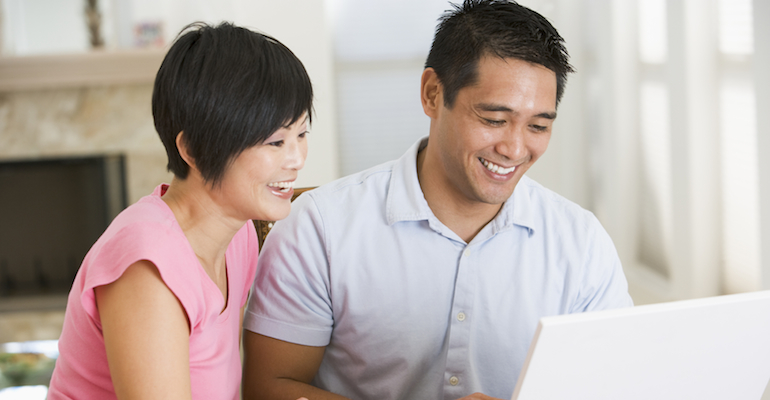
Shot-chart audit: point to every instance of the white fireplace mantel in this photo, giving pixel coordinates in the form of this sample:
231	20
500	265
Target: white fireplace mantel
95	68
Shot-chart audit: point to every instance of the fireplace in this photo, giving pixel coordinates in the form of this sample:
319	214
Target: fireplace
51	212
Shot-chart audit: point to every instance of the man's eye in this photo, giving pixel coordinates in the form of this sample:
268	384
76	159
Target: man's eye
494	122
539	128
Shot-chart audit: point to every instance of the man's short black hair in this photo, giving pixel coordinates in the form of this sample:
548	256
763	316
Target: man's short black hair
496	27
227	88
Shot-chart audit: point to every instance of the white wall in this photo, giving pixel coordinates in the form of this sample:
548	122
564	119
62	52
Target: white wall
43	26
56	26
761	67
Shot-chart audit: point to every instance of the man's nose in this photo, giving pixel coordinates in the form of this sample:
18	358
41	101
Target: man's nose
513	143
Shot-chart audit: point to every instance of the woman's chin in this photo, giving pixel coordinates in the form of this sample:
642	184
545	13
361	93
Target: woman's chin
274	214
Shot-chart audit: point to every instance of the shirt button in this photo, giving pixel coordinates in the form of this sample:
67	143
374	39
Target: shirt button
454	381
467	252
461	316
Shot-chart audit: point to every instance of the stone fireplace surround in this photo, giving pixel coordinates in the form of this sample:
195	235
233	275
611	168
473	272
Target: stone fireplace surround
77	105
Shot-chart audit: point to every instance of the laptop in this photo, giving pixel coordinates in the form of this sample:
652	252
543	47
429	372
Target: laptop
709	348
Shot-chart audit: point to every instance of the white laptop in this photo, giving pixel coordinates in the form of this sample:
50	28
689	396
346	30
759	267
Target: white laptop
710	348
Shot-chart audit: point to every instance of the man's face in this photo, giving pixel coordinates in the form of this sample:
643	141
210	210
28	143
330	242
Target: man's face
496	129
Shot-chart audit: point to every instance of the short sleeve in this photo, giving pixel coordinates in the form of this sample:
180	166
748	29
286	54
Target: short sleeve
122	246
290	298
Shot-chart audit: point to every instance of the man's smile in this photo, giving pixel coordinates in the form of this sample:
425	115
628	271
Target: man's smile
497	168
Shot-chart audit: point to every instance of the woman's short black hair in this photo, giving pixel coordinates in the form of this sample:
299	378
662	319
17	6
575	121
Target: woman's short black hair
497	27
227	88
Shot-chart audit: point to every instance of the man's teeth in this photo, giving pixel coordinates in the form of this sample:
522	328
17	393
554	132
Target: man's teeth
282	186
496	168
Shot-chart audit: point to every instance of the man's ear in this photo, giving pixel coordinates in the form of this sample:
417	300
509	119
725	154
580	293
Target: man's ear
431	92
181	147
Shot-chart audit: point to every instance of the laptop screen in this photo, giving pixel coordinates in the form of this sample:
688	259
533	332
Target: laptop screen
709	348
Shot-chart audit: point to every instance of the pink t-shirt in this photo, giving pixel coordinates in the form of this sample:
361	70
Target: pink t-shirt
148	230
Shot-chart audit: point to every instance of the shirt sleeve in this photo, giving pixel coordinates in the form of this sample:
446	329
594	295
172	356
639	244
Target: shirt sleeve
290	298
603	284
158	243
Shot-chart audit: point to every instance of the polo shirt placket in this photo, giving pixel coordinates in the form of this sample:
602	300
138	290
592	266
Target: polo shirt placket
457	373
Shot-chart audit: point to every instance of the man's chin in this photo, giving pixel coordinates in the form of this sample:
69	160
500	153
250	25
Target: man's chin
495	197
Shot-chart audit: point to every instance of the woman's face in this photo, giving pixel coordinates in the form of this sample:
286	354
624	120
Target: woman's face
259	183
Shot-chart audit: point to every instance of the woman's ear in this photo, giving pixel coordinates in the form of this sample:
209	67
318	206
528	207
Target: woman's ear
431	92
181	147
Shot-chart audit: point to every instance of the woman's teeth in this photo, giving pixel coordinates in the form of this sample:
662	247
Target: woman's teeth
496	168
282	186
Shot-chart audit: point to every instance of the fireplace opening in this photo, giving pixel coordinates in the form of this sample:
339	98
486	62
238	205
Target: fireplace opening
51	213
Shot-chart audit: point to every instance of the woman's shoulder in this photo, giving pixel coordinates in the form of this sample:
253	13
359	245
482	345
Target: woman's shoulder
149	210
145	230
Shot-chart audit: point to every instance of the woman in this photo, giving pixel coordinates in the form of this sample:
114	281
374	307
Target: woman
156	308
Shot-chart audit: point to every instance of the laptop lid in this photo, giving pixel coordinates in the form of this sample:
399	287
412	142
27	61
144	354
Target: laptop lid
709	348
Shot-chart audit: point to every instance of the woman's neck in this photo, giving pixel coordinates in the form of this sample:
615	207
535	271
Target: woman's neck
202	220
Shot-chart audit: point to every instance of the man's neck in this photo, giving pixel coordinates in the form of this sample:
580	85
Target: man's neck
463	216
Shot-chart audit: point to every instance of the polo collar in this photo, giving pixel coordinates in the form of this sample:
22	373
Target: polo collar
405	201
518	210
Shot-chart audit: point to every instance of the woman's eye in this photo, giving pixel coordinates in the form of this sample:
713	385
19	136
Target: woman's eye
277	143
304	134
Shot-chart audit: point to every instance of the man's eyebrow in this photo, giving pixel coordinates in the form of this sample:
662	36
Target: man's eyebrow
501	108
493	107
547	115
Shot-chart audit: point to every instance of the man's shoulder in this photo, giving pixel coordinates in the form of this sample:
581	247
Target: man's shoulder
554	208
347	201
547	198
352	187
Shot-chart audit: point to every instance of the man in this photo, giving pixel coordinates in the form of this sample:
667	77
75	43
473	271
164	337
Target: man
425	277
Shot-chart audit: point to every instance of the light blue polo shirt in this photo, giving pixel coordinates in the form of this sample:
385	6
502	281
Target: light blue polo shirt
408	310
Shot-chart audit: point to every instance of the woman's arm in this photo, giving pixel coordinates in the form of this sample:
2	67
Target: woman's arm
146	334
240	329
